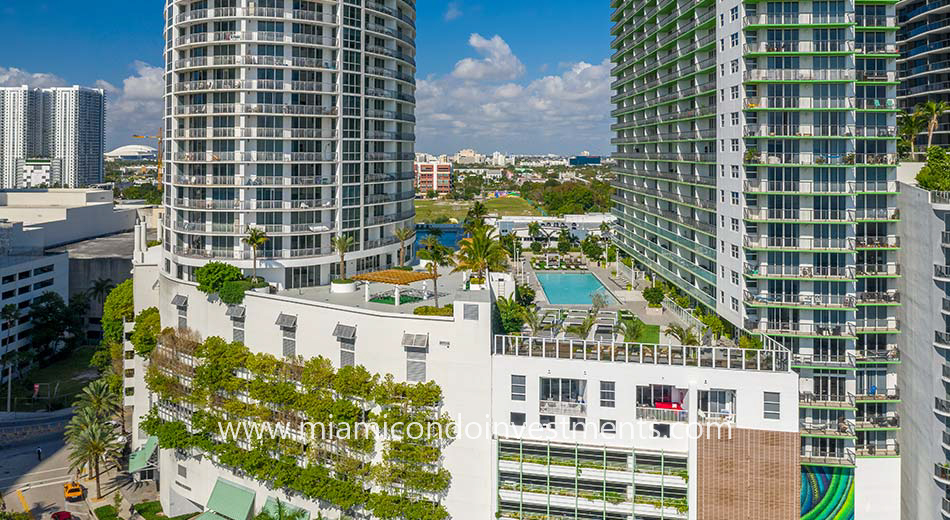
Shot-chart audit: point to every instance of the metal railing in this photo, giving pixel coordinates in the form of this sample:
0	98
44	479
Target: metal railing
647	354
661	414
826	399
562	408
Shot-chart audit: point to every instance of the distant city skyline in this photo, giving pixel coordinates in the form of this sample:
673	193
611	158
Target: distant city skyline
484	81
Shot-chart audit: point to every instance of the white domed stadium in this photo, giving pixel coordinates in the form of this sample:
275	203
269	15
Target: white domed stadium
132	152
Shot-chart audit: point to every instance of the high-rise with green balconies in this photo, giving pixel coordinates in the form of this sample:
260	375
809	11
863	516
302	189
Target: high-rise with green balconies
756	173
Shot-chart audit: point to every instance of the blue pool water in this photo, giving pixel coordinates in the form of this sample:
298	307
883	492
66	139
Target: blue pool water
572	288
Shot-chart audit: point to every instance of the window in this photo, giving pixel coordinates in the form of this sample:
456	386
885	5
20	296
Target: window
577	424
772	405
722	69
722	94
735	171
517	388
661	430
734	66
547	421
608	394
735	198
347	352
735	304
735	224
735	278
722	44
722	20
734	39
734	145
734	91
734	118
735	251
722	120
608	426
734	13
517	418
182	471
289	343
415	365
237	330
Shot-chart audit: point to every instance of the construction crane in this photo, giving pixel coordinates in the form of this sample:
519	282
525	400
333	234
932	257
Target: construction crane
158	155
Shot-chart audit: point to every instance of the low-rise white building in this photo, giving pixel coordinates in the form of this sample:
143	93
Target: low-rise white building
494	388
579	226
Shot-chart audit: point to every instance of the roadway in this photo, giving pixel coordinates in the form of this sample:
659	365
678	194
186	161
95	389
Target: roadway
28	484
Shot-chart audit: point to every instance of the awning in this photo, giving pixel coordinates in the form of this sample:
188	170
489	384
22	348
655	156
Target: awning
415	341
231	500
235	311
271	507
344	331
139	459
179	300
287	321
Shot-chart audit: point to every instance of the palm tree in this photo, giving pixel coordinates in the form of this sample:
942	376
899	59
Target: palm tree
92	447
255	239
910	125
481	253
437	255
403	234
476	215
82	420
534	230
534	319
583	329
99	397
685	335
632	329
932	110
101	288
282	512
605	237
342	244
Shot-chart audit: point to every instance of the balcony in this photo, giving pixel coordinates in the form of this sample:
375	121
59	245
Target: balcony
872	325
803	18
876	75
798	271
841	428
823	400
889	421
942	272
645	413
878	298
798	75
945	373
774	299
795	328
822	458
942	340
869	20
876	48
877	214
798	102
890	354
873	270
941	407
870	186
823	361
800	46
942	473
877	242
798	214
872	450
800	130
562	408
806	243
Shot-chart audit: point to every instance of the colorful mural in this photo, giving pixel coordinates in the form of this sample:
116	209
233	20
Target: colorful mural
827	493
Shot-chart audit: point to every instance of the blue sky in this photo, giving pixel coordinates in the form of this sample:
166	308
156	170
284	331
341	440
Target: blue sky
520	76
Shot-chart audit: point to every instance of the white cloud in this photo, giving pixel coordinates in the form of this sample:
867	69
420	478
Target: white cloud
497	62
14	77
134	108
480	104
453	12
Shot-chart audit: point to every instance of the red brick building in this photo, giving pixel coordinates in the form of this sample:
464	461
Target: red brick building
433	176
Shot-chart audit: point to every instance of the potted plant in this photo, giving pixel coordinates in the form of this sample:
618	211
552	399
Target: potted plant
342	244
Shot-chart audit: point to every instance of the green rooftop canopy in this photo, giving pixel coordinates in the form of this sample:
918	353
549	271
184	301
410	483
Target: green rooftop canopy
209	515
139	459
231	500
271	507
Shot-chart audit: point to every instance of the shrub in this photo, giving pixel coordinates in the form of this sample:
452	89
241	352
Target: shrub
106	513
213	275
118	307
232	293
153	243
750	342
343	280
654	295
935	175
536	247
429	310
145	333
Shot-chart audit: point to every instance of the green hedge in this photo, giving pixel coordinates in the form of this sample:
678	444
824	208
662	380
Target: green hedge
106	513
429	310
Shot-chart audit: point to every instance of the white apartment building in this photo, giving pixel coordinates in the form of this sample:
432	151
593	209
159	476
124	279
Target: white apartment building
579	227
65	125
294	117
652	394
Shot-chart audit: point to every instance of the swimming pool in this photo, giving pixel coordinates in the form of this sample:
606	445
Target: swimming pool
572	288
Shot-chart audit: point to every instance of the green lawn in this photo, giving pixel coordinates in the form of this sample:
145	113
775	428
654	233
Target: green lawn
71	372
391	300
650	334
153	511
430	210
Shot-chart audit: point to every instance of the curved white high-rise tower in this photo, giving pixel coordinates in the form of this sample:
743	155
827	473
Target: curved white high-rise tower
295	117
